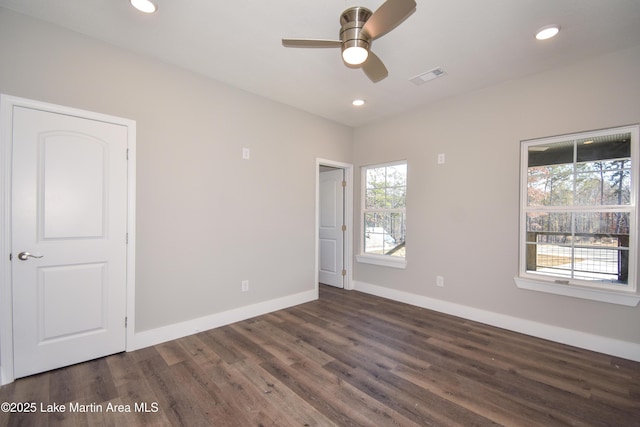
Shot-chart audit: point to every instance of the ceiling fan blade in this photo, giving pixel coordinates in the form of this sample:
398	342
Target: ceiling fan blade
310	43
374	68
388	16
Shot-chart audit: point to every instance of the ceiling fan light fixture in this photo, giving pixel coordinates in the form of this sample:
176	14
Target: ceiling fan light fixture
355	55
146	6
358	102
547	32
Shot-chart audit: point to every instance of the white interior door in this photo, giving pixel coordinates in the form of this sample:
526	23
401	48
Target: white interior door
68	247
331	238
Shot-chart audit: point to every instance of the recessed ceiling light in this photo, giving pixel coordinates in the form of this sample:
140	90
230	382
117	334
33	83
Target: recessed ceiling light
358	102
547	32
146	6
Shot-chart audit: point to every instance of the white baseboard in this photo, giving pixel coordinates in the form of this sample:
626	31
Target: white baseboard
178	330
598	343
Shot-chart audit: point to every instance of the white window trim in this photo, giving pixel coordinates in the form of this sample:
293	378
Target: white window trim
383	260
365	258
627	298
573	287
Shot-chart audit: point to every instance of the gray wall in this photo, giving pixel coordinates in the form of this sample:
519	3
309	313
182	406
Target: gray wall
206	219
462	217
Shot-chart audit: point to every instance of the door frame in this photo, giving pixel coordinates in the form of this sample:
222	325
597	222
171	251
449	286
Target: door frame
348	220
7	104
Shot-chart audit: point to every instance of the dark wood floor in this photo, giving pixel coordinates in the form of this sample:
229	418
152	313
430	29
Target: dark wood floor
349	359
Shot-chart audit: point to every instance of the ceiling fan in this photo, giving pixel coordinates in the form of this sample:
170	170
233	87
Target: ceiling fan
359	28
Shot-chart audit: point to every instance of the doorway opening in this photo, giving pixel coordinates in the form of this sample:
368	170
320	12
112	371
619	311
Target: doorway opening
334	223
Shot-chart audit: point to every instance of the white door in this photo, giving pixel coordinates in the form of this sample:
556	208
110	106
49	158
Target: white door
68	246
331	237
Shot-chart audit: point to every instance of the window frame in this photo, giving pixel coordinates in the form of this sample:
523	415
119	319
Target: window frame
597	291
379	259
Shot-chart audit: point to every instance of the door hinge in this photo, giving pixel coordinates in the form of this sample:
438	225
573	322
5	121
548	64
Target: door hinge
344	228
344	183
127	154
344	272
10	257
126	320
126	239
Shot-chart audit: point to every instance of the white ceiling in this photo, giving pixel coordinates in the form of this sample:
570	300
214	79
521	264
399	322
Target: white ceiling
477	43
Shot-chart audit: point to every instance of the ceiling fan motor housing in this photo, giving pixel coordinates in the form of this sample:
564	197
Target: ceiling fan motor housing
352	20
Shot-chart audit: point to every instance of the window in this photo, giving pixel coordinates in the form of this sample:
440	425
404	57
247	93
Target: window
384	190
578	225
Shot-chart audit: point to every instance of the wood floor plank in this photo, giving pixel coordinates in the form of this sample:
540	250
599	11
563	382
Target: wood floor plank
31	390
172	352
177	397
133	388
198	350
347	359
392	345
483	401
216	340
411	401
288	348
282	400
360	407
208	386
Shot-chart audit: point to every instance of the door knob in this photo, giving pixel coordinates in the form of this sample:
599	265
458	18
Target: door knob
26	255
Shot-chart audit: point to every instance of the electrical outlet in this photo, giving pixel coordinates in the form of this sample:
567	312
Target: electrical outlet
441	159
245	286
440	281
246	153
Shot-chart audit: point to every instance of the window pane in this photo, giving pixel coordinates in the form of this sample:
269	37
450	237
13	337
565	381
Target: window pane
551	223
384	233
606	147
602	243
601	265
396	197
376	198
603	225
596	249
556	153
604	183
602	167
386	198
550	185
548	243
375	178
396	175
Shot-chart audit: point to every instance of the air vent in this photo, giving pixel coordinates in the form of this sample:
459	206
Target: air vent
427	76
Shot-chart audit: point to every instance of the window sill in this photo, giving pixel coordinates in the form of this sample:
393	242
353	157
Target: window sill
629	299
383	260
